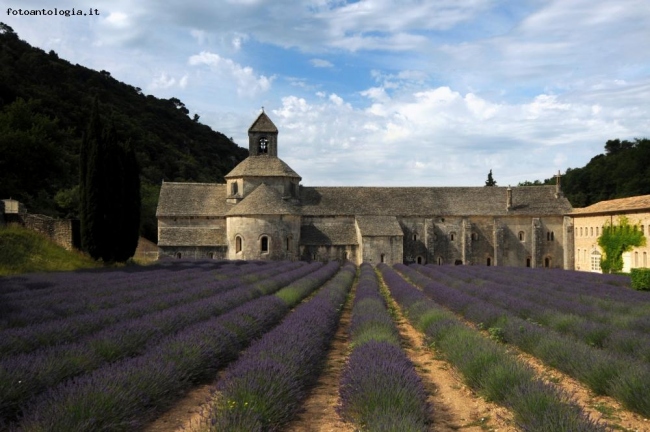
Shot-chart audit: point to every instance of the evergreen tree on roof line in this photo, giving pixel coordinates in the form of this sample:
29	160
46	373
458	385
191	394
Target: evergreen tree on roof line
490	181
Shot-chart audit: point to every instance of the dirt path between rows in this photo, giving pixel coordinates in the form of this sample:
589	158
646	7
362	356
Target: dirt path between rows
455	406
318	413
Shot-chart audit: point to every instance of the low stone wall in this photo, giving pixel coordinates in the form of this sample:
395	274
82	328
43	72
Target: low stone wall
64	232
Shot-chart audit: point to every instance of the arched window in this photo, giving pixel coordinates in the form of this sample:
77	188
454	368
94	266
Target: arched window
383	258
580	231
474	236
211	255
547	262
263	146
238	244
179	255
645	259
415	237
489	261
548	236
597	234
439	260
552	236
528	262
591	231
452	236
233	188
419	260
264	244
522	236
636	259
289	243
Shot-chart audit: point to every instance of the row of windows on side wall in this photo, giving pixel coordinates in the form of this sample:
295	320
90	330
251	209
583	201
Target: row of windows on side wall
590	231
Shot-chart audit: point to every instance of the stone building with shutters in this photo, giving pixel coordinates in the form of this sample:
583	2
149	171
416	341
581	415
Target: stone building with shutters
263	212
589	222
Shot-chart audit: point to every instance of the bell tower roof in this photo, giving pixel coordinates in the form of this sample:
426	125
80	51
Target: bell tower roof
263	124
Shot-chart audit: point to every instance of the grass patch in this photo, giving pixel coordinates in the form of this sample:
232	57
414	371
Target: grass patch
25	251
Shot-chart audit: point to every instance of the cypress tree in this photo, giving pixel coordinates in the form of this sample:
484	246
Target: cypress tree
110	193
91	186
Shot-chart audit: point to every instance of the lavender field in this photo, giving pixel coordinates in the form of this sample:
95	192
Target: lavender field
111	350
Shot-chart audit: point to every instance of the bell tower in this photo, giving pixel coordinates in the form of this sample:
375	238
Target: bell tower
263	137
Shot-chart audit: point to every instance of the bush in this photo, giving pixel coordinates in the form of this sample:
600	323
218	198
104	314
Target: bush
640	278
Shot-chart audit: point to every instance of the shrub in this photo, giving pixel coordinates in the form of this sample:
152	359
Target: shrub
640	278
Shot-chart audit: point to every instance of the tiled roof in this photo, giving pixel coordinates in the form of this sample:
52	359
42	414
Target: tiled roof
191	236
427	201
209	199
263	124
264	200
326	234
620	205
192	199
377	226
262	166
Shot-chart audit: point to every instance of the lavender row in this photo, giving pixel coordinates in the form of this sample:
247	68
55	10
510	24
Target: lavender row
97	295
201	295
264	388
379	390
575	319
23	376
604	372
487	366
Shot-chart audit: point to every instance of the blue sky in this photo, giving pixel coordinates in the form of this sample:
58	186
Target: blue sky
380	92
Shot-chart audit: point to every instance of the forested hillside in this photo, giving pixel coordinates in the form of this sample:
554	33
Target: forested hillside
45	103
622	171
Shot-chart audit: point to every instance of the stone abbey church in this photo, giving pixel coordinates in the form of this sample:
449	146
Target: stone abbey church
264	213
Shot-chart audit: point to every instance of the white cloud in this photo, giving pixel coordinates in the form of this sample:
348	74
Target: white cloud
247	82
162	81
320	63
439	136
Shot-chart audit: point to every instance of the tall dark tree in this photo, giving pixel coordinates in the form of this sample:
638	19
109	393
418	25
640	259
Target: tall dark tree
109	190
490	181
91	186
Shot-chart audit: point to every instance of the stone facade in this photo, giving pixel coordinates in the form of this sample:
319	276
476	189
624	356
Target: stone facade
588	225
262	212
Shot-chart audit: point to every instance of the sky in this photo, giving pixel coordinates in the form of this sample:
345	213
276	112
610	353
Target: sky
380	92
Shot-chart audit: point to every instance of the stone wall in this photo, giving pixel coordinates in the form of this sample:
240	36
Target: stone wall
330	253
193	252
64	232
516	241
282	233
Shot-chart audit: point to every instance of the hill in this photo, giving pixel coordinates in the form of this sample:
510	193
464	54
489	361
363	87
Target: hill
622	171
24	251
44	107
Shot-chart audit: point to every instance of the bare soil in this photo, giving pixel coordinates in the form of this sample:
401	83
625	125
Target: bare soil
455	406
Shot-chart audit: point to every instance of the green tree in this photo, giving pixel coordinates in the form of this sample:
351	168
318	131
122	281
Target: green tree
490	181
109	191
615	240
31	160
